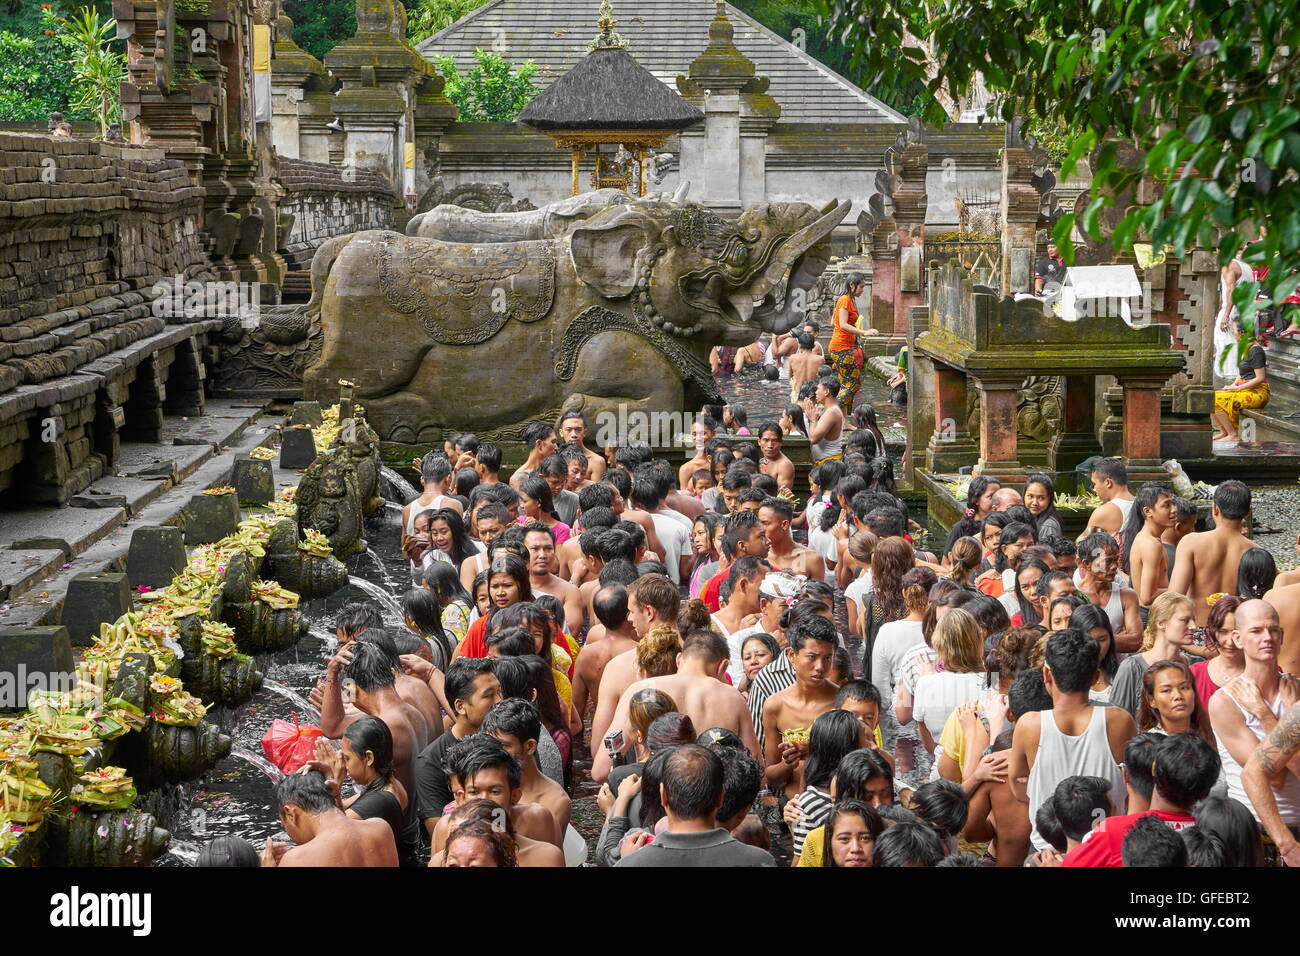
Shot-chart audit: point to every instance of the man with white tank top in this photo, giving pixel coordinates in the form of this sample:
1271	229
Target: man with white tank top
1110	482
1075	737
1096	580
1226	322
1269	760
1248	708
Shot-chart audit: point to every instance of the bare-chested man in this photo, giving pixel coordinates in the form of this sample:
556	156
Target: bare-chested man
1110	482
540	542
326	836
651	600
699	692
573	429
435	476
1206	562
774	461
610	608
1098	565
782	552
804	363
703	430
811	649
1149	558
621	481
517	724
539	439
1286	601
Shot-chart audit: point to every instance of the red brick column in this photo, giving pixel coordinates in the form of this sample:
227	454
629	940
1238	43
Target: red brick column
1142	421
998	440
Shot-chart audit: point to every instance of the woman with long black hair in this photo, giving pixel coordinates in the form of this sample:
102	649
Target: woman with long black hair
537	504
451	542
979	503
507	583
1040	499
833	736
422	612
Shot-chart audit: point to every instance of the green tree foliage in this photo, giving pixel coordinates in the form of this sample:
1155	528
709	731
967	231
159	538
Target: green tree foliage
97	68
427	17
492	91
37	53
321	25
1206	93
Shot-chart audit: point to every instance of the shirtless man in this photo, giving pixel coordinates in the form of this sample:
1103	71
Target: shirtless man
480	768
369	667
414	691
517	725
621	481
539	439
489	522
1261	692
783	553
699	692
1098	565
540	542
324	834
1286	601
811	649
1110	482
1149	557
573	429
1206	562
651	600
804	363
775	462
487	462
610	608
703	430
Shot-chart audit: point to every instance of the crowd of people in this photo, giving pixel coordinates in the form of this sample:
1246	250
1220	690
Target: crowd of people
758	677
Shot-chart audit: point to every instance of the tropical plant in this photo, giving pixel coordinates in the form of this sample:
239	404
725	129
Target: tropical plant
427	17
1202	98
97	69
492	91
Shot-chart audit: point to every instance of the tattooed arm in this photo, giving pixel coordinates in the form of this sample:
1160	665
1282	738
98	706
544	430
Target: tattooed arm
1276	756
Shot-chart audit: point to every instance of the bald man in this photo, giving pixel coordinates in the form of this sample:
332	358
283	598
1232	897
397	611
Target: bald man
1005	498
1247	708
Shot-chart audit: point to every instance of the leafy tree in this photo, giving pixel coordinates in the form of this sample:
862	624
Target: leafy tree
97	69
321	25
1201	98
492	91
427	17
36	76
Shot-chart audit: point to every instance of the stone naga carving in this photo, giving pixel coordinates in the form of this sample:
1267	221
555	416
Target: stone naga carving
456	223
484	197
621	310
329	500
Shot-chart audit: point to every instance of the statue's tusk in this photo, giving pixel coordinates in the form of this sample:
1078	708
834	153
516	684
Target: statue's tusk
684	187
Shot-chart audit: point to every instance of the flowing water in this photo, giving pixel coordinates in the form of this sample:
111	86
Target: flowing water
402	489
309	711
273	773
392	611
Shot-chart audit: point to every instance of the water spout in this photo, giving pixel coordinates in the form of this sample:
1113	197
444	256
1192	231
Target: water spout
384	576
187	853
401	487
387	601
295	698
274	773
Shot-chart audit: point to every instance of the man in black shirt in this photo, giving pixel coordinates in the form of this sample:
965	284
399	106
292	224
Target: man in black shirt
471	689
1049	277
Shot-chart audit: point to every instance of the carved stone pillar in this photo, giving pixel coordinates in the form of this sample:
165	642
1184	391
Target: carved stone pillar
951	445
998	432
1077	439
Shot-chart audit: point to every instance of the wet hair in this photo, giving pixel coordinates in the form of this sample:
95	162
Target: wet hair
617	572
513	716
670	730
708	646
371	666
470	756
1028	609
1151	843
658	593
554	607
863	811
652	809
908	844
511	642
228	851
489	456
541	685
1028	693
862	690
537	489
649	567
609	604
1062	547
742	778
1076	802
512	674
1086	618
553	466
357	616
855	771
1072	657
422	608
1232	498
720	738
646	706
1075	601
1146	497
458	683
535	432
1112	468
656	653
1139	762
812	628
1186	769
444	581
500	845
1233	827
306	791
467	480
1147	716
891	560
943	805
528	615
1203	849
832	736
600	494
481	810
434	469
1255	574
1049	827
693	780
372	734
989	614
1183	509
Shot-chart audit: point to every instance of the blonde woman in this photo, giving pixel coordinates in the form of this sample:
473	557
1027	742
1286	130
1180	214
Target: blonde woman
959	676
1171	626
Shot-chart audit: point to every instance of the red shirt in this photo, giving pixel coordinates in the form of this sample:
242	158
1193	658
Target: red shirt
709	593
1102	846
1205	685
475	643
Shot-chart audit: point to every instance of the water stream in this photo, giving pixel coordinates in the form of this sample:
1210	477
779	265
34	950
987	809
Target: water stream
400	486
392	611
309	711
273	773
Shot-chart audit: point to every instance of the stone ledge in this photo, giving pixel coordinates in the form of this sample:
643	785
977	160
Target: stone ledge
20	571
146	460
72	530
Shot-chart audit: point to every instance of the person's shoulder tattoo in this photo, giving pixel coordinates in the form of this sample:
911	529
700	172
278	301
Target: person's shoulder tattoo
1281	743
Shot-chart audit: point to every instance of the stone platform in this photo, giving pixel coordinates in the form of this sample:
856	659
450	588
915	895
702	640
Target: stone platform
42	549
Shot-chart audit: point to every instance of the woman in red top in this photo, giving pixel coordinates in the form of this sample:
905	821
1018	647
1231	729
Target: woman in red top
845	331
507	585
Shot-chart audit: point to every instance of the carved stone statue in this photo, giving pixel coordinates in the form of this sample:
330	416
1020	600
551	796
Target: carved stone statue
456	223
619	312
485	197
329	500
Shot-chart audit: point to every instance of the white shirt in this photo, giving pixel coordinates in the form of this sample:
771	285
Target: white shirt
676	541
677	516
938	695
735	643
893	640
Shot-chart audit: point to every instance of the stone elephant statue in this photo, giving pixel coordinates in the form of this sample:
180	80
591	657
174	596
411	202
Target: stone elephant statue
458	224
618	314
